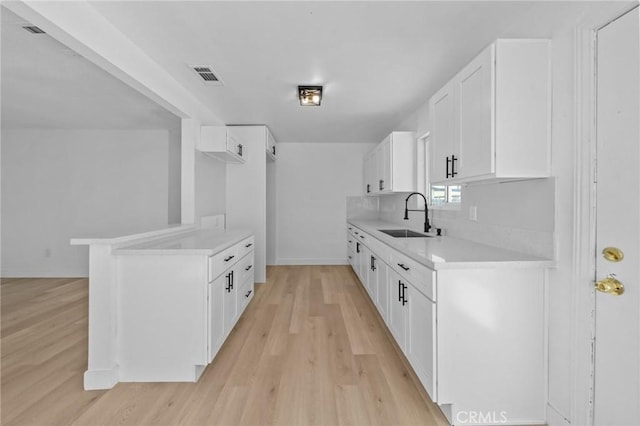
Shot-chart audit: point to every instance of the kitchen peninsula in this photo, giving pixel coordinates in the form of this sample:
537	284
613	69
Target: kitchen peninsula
161	303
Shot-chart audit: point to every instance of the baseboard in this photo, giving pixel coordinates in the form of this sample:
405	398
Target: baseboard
43	274
331	261
100	379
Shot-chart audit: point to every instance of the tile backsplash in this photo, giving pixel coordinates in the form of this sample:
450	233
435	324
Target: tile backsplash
517	216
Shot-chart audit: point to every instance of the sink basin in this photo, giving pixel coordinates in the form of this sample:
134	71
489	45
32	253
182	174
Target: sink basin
404	233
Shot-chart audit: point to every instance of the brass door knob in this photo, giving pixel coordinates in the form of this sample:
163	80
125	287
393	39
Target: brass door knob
612	254
610	285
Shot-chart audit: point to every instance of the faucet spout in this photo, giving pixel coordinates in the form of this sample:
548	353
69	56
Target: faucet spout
427	226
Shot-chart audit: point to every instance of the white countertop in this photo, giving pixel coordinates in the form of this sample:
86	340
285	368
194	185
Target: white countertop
451	253
125	235
198	242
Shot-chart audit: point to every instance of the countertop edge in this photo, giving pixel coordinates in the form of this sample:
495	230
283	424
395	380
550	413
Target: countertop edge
159	233
227	239
482	264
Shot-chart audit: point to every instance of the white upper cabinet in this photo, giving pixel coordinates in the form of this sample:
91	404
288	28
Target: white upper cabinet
219	142
369	169
271	145
391	166
446	151
492	121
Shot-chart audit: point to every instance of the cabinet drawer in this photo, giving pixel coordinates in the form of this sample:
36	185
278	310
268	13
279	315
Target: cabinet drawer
379	249
363	237
223	261
421	277
246	246
244	268
351	241
356	231
245	294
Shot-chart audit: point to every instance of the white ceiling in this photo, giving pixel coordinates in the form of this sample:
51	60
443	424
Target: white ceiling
46	85
378	60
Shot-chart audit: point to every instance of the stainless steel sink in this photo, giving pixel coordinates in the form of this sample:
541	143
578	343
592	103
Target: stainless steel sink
404	233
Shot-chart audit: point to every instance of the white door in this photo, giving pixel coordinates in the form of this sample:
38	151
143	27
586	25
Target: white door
617	353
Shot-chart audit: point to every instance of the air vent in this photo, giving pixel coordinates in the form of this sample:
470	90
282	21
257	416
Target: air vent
33	29
206	74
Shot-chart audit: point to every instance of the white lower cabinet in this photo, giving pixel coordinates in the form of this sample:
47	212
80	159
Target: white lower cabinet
229	301
421	338
367	274
378	278
473	336
216	333
398	312
412	321
177	310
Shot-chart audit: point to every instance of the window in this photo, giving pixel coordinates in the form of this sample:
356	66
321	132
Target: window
440	196
443	195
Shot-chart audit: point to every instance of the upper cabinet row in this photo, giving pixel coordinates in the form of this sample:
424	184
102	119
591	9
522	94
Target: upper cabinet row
390	167
221	142
492	120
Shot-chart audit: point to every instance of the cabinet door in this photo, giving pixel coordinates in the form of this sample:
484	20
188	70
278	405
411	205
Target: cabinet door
382	300
421	338
443	146
384	158
372	277
216	332
357	264
271	144
365	255
229	302
475	94
397	309
369	168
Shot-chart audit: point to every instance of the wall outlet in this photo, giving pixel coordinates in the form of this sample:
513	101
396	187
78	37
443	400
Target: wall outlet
473	213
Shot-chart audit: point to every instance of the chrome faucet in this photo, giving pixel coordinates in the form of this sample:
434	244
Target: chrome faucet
427	227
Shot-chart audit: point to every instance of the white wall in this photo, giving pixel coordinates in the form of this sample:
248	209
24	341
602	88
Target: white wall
59	184
313	181
210	185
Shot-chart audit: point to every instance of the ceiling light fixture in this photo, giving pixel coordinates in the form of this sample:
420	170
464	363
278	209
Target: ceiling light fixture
310	95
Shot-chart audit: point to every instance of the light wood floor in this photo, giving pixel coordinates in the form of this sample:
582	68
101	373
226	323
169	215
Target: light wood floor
309	350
